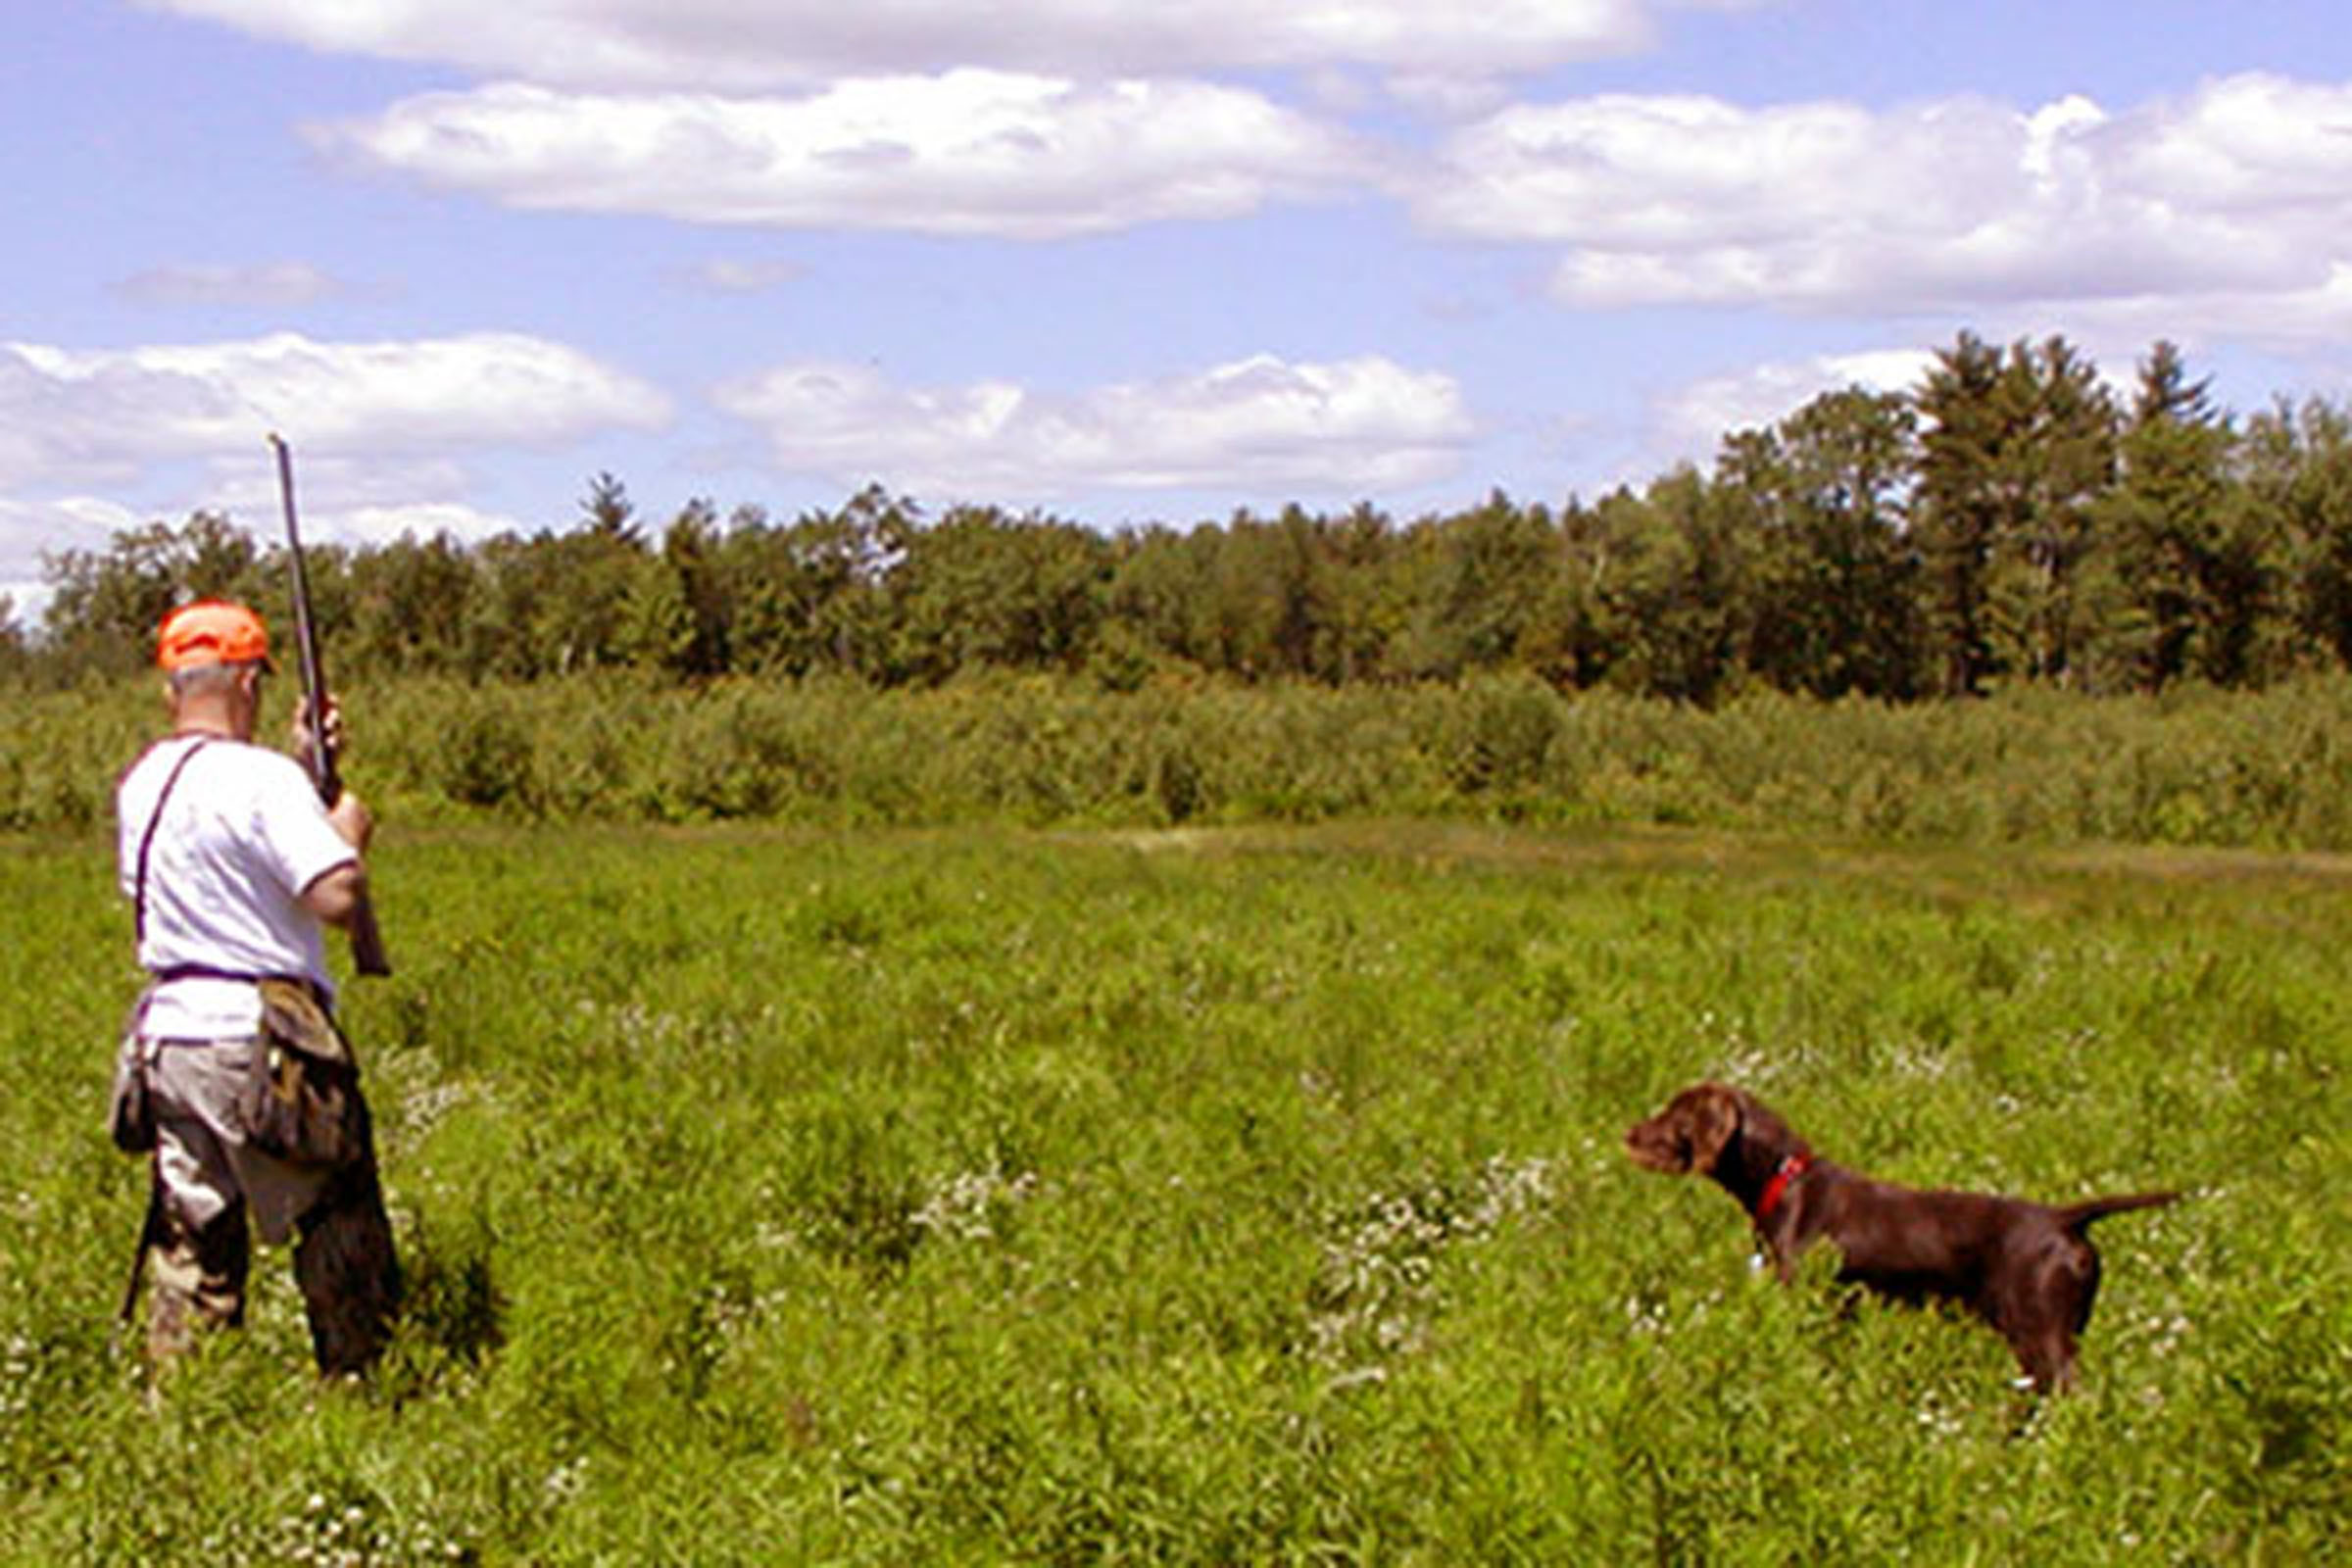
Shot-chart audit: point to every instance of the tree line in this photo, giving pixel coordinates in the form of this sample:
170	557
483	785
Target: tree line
2010	519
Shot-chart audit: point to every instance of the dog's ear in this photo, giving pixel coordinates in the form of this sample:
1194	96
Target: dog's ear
1710	1114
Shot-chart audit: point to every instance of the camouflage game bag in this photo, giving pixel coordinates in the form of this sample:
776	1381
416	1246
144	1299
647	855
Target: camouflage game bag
300	1100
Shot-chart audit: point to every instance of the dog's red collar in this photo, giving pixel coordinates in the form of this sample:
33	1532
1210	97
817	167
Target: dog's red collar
1777	1189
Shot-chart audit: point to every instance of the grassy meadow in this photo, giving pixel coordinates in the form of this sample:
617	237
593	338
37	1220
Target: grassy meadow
1237	1195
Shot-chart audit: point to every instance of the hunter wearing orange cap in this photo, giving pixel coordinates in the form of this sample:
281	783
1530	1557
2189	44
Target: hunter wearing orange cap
232	865
211	632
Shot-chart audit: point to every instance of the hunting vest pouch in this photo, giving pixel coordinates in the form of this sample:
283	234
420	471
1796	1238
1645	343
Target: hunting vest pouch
300	1100
130	1113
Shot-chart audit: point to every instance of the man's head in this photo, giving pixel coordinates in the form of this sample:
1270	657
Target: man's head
211	631
214	655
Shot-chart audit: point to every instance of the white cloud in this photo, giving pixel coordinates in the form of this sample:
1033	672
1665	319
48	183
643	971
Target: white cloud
2239	192
2254	143
423	519
23	603
29	528
274	284
736	275
382	430
360	497
754	45
1348	427
77	416
2312	324
342	502
971	152
1688	424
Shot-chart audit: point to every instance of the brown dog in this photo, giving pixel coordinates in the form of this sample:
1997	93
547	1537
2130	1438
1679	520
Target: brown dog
2026	1268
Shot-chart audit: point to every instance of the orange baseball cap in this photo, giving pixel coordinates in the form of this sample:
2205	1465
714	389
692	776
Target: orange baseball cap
211	631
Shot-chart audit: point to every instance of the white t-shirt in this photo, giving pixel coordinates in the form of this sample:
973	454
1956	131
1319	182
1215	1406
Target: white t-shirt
241	835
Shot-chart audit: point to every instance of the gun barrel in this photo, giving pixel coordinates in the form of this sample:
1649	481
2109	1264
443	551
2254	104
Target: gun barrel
320	761
368	953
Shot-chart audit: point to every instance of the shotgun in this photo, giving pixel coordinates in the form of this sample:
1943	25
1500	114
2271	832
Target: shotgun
367	943
151	1232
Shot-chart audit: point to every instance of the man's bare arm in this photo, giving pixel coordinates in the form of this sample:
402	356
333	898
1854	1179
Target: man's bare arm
335	895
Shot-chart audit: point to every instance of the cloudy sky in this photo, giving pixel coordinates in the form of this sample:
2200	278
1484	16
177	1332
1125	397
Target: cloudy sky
1124	263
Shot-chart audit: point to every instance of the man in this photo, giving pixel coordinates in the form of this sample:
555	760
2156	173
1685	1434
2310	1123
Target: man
232	864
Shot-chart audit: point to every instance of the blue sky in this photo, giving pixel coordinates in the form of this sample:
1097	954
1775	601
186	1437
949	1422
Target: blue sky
1125	264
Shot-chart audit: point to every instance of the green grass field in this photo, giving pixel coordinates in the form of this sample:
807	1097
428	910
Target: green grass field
1242	1195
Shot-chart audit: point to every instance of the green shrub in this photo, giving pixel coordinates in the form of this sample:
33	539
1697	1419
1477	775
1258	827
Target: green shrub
2269	769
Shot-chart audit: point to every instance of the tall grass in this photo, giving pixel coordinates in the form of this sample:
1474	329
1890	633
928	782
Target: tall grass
2272	770
1243	1196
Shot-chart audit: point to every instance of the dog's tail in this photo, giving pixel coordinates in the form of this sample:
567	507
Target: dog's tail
2076	1215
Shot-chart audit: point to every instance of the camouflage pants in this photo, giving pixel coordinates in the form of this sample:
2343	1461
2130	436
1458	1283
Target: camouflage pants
212	1188
195	1278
